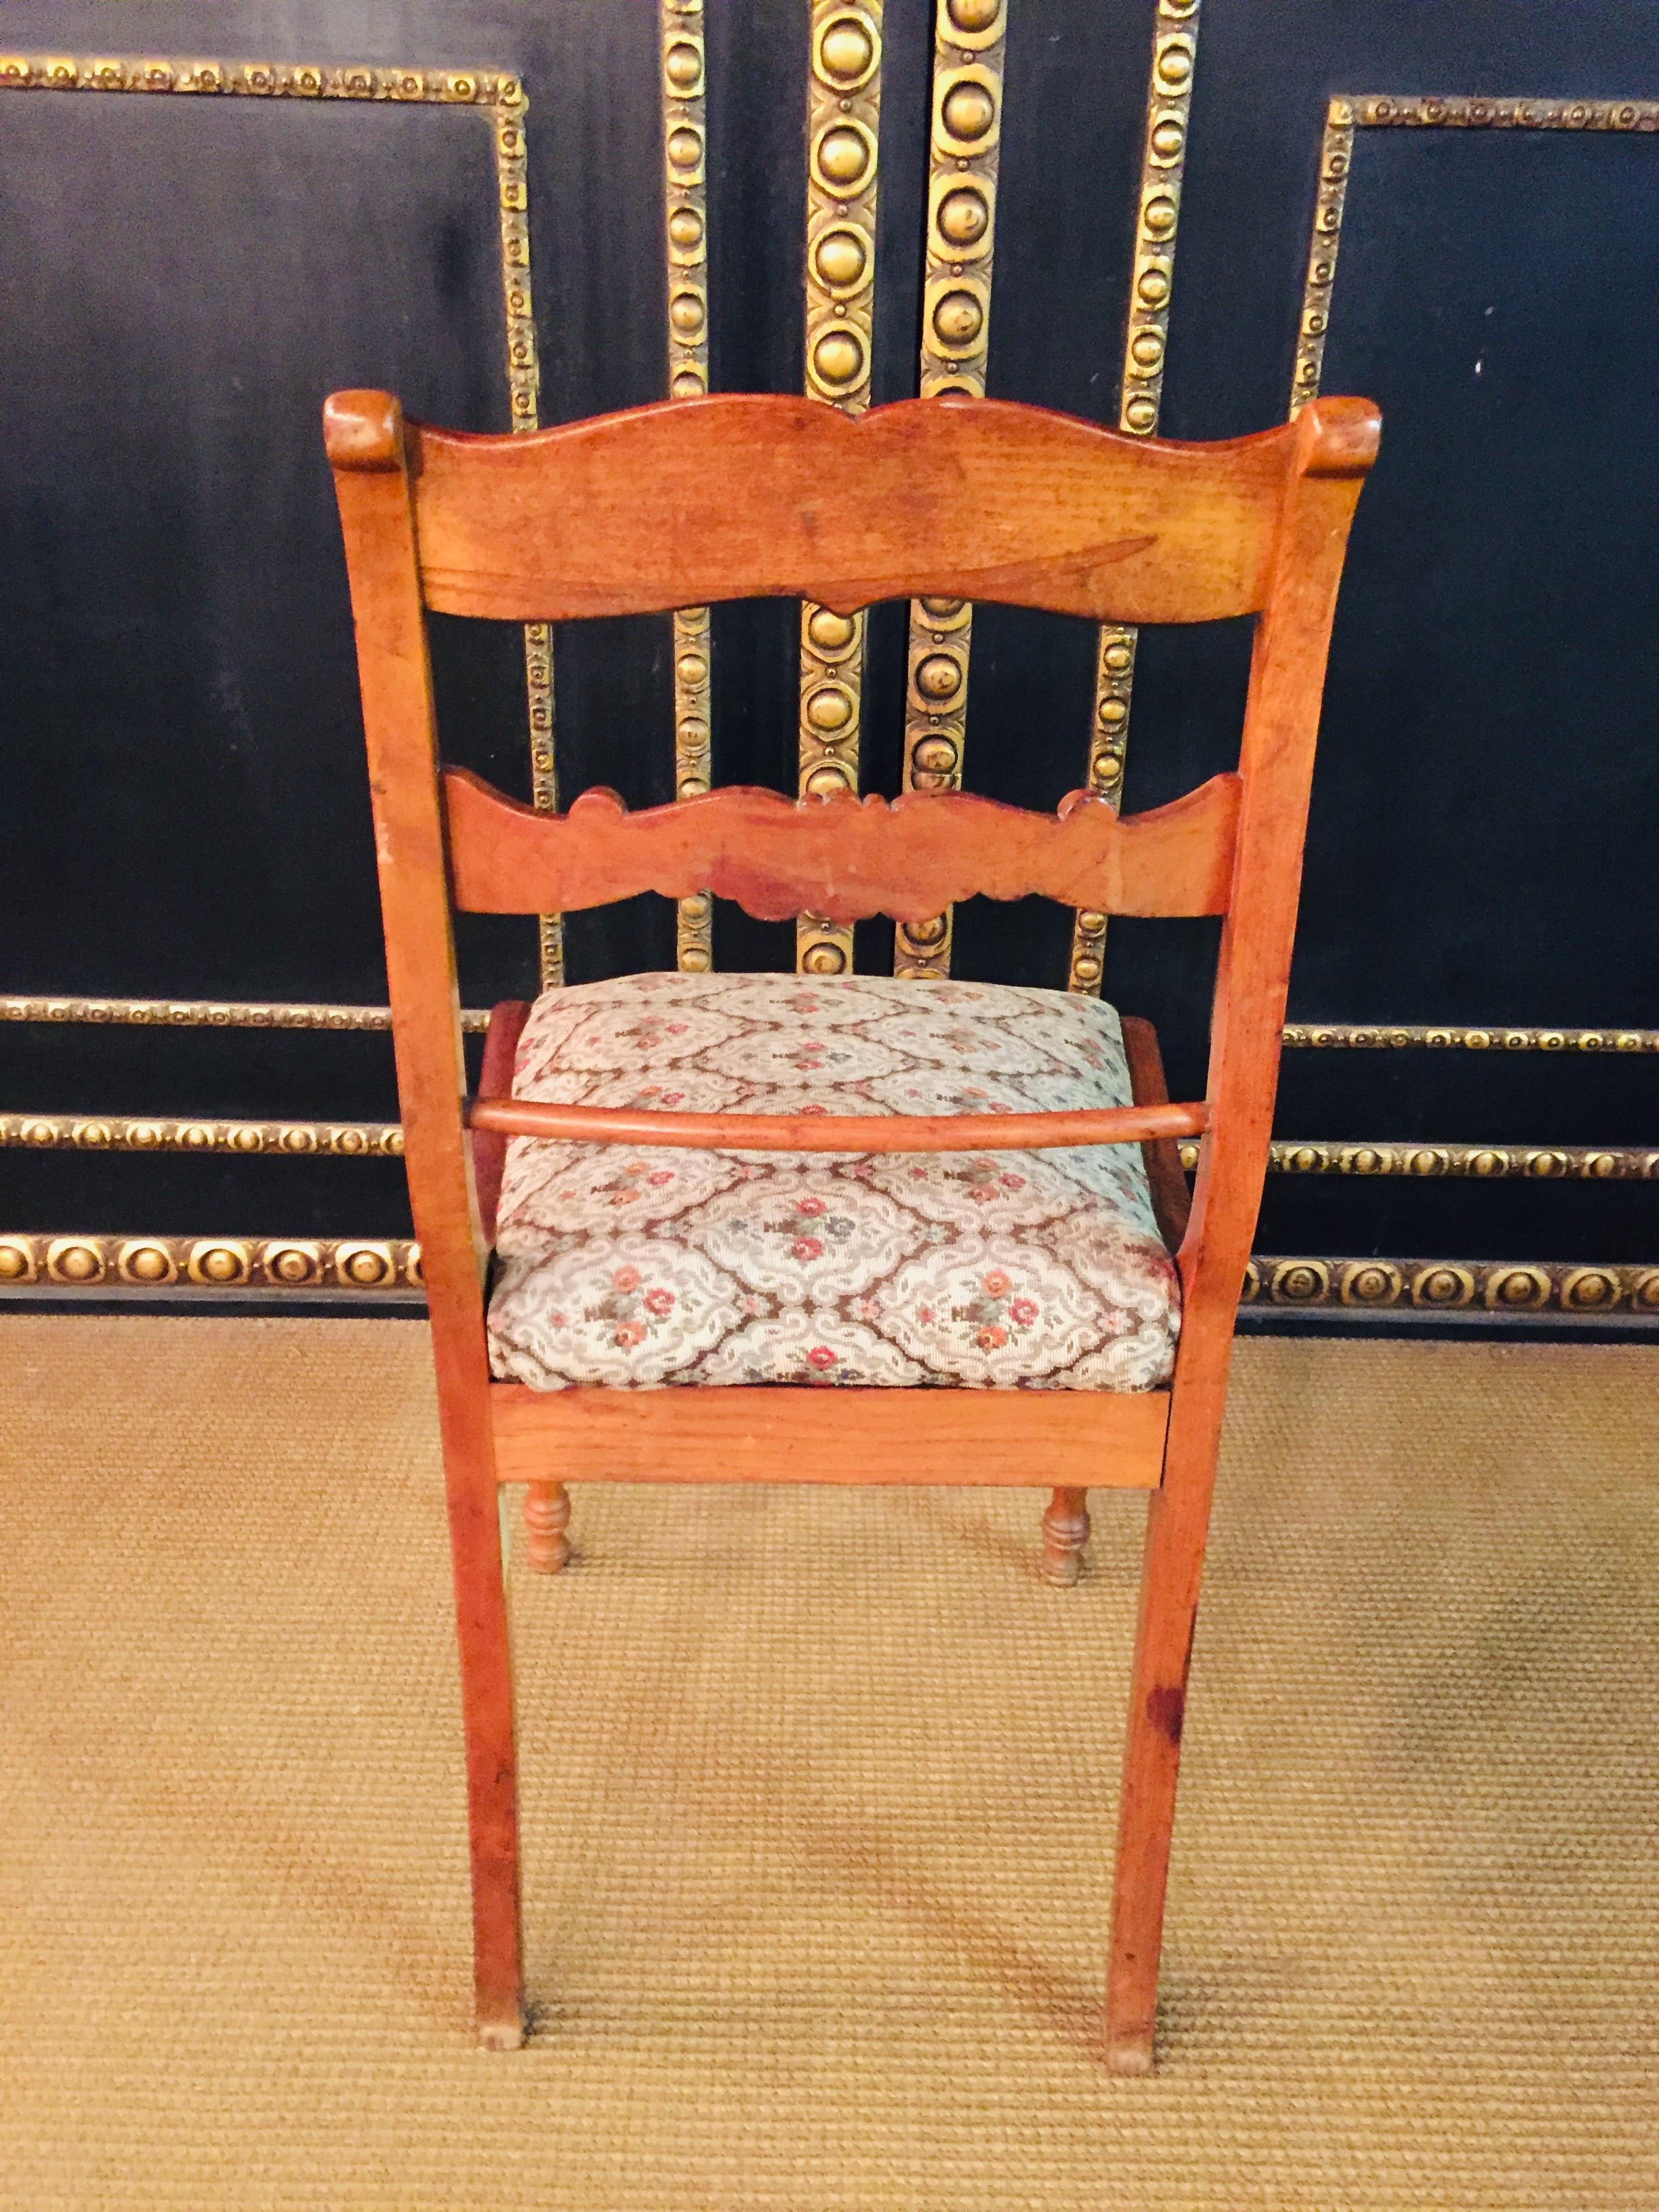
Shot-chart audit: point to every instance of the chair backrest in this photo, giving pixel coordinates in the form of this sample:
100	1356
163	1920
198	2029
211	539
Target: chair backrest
720	498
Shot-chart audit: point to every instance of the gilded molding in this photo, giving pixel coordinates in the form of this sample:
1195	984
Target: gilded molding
1364	1036
101	1260
127	1133
502	97
1145	340
964	143
213	1013
1452	1286
842	127
685	218
1485	1162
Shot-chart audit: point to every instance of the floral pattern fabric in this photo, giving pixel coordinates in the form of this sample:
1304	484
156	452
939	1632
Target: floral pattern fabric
635	1267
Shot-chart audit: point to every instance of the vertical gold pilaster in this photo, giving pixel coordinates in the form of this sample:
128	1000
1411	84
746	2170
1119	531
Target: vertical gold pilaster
524	377
1169	101
956	329
1335	160
686	220
843	120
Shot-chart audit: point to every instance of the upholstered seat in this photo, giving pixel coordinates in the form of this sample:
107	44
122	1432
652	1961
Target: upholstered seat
640	1267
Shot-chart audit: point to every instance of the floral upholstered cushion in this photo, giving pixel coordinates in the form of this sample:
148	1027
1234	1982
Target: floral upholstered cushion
635	1267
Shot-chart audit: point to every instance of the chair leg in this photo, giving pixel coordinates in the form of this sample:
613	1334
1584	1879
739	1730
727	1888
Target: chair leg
1064	1533
546	1517
1172	1565
475	1535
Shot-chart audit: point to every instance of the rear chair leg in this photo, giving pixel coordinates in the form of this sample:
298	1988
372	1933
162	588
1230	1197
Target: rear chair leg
546	1517
1064	1533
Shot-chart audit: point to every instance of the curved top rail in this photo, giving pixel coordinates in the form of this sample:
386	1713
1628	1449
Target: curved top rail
739	496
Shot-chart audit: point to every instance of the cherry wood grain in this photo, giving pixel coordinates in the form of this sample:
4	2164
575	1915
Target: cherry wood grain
506	1022
849	1438
838	1132
1166	1178
974	499
718	498
842	858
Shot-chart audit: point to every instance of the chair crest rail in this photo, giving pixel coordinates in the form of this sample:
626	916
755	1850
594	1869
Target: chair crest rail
839	1132
843	858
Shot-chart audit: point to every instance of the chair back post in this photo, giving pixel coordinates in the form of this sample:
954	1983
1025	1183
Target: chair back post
1336	441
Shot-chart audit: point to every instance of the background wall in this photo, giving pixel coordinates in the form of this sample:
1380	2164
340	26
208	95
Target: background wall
183	809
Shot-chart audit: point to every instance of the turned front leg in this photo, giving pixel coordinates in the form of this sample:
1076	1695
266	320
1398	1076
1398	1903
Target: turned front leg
546	1517
1064	1533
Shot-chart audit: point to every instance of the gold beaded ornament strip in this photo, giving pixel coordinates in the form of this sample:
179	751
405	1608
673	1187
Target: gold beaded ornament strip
374	1266
97	1261
1323	1156
1164	156
501	98
214	1013
127	1133
956	329
685	216
843	125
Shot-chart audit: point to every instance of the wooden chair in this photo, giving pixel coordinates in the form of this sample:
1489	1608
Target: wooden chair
733	496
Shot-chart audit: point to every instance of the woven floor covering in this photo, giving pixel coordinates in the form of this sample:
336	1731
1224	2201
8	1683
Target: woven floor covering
818	1793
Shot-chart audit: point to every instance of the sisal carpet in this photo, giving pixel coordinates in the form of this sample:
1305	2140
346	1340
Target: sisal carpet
818	1798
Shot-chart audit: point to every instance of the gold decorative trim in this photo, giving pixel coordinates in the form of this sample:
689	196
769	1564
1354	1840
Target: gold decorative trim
964	145
1362	1036
1163	164
685	217
1309	1156
842	127
213	1013
1452	1286
101	1260
128	1133
502	97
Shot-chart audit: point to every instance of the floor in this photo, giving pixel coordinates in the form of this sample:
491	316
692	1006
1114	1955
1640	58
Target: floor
818	1796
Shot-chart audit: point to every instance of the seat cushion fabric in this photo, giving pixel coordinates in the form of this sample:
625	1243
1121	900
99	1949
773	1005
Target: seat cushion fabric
635	1267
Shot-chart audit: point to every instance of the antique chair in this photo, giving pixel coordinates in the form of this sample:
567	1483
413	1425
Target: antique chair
728	497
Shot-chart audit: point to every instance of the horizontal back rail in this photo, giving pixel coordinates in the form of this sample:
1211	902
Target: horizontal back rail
974	499
841	857
839	1132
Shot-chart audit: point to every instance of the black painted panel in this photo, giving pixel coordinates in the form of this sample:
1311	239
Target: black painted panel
182	805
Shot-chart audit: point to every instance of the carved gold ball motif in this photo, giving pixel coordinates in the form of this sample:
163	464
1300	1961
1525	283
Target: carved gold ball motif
365	1266
1546	1164
1167	139
688	384
973	15
968	111
220	1263
838	358
1146	349
691	668
694	959
829	708
830	632
76	1263
1589	1287
1487	1163
684	148
840	258
1442	1287
14	1263
1644	1291
843	155
823	959
847	51
1371	1286
682	65
146	1263
928	932
958	319
1118	656
1152	286
1174	65
942	611
697	907
685	229
692	787
685	313
1113	712
1141	413
291	1263
964	216
935	757
1090	922
1299	1280
1520	1286
1085	970
828	780
938	677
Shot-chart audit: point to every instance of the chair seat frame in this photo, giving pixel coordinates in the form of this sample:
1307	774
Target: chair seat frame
977	498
